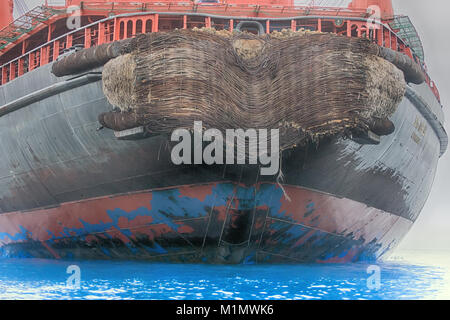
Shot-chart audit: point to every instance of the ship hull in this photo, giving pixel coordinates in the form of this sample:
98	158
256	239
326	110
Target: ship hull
221	222
70	190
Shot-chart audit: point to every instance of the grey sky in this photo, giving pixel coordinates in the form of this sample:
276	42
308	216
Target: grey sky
432	230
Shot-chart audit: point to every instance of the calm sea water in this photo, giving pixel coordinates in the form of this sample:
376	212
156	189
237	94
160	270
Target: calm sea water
407	275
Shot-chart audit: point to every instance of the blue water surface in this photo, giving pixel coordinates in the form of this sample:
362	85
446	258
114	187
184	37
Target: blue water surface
412	275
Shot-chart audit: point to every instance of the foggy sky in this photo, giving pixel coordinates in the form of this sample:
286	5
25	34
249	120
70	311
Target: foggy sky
431	18
432	229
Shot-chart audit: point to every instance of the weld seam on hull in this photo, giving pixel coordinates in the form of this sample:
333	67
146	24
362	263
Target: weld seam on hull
208	224
305	226
279	255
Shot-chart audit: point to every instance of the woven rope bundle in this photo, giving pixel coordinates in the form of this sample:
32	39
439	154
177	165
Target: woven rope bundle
308	85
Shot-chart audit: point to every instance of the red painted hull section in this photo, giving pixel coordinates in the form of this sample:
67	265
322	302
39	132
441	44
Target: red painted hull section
210	223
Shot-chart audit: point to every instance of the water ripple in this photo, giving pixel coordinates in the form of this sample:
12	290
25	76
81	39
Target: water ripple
407	276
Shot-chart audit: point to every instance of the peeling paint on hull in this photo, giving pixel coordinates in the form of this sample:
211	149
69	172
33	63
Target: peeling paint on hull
221	222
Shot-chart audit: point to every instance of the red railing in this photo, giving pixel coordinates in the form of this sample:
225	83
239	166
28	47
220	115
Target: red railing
128	25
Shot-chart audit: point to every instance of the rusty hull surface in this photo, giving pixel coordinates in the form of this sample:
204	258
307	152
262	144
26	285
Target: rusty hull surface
221	222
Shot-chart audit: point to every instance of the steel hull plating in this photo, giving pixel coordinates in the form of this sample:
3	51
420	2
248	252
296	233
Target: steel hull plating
69	190
216	223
